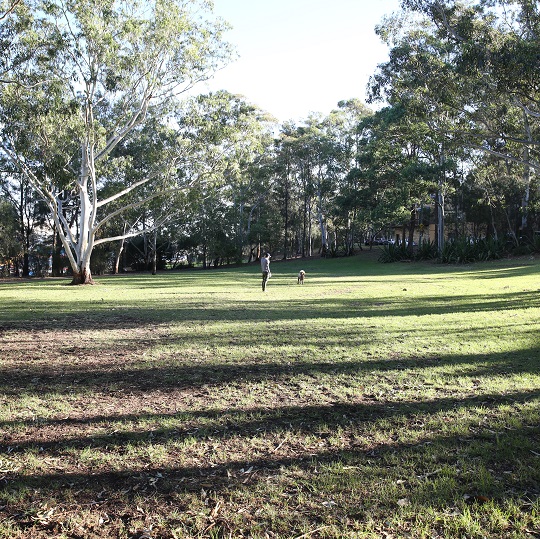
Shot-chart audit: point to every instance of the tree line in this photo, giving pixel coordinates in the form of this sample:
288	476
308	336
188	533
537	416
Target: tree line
109	160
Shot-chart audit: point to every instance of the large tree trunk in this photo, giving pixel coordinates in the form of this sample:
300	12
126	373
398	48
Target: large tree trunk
26	264
84	276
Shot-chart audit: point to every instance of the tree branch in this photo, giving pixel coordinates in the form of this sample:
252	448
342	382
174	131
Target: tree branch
134	233
532	164
10	9
140	203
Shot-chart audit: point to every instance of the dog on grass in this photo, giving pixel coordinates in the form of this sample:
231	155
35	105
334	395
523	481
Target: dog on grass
301	276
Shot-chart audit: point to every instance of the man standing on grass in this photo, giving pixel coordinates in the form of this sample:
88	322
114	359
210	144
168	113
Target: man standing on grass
265	267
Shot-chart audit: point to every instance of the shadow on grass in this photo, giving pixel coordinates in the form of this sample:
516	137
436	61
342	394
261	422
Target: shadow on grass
358	464
97	315
228	423
79	378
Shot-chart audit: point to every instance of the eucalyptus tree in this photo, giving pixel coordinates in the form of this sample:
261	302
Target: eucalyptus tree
398	164
256	190
309	161
229	141
491	199
325	161
109	68
18	43
291	188
423	81
11	248
284	184
344	125
495	49
145	210
30	214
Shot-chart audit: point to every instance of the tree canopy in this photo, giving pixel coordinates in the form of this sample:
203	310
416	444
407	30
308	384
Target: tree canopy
92	119
109	68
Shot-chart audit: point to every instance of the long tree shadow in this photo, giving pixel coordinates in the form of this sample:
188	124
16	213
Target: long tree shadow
491	270
228	423
102	316
108	480
360	464
175	374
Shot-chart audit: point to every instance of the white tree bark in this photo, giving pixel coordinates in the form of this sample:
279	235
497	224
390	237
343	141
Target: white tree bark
142	57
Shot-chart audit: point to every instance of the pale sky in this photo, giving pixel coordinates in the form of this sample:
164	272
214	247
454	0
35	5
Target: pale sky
301	56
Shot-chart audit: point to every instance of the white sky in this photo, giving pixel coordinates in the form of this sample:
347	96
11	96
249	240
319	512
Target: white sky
301	56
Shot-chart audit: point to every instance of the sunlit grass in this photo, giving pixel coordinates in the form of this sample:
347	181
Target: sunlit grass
376	400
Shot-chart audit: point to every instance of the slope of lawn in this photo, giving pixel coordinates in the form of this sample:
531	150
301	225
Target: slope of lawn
375	401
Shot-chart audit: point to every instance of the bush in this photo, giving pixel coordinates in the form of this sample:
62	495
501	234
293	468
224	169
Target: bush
466	250
527	245
398	253
395	253
427	250
458	251
536	244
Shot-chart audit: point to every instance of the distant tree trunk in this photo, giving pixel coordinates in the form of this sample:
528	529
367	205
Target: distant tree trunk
526	178
440	220
120	251
305	219
310	238
493	225
286	238
116	268
440	205
248	231
146	255
320	217
412	225
25	232
154	250
349	237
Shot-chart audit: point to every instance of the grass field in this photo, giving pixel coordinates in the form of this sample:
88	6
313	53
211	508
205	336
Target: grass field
375	401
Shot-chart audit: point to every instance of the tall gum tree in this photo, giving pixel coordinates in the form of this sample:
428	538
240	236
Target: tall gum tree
109	67
496	46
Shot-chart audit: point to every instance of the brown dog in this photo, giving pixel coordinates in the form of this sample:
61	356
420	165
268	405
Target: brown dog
301	276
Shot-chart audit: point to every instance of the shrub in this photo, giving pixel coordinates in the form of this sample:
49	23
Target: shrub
427	250
395	253
457	251
533	245
465	250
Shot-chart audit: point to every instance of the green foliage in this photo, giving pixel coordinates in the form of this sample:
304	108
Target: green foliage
465	250
461	123
535	244
395	252
111	68
10	244
460	251
427	250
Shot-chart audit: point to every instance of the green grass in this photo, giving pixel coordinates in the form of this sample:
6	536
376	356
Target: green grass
375	401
